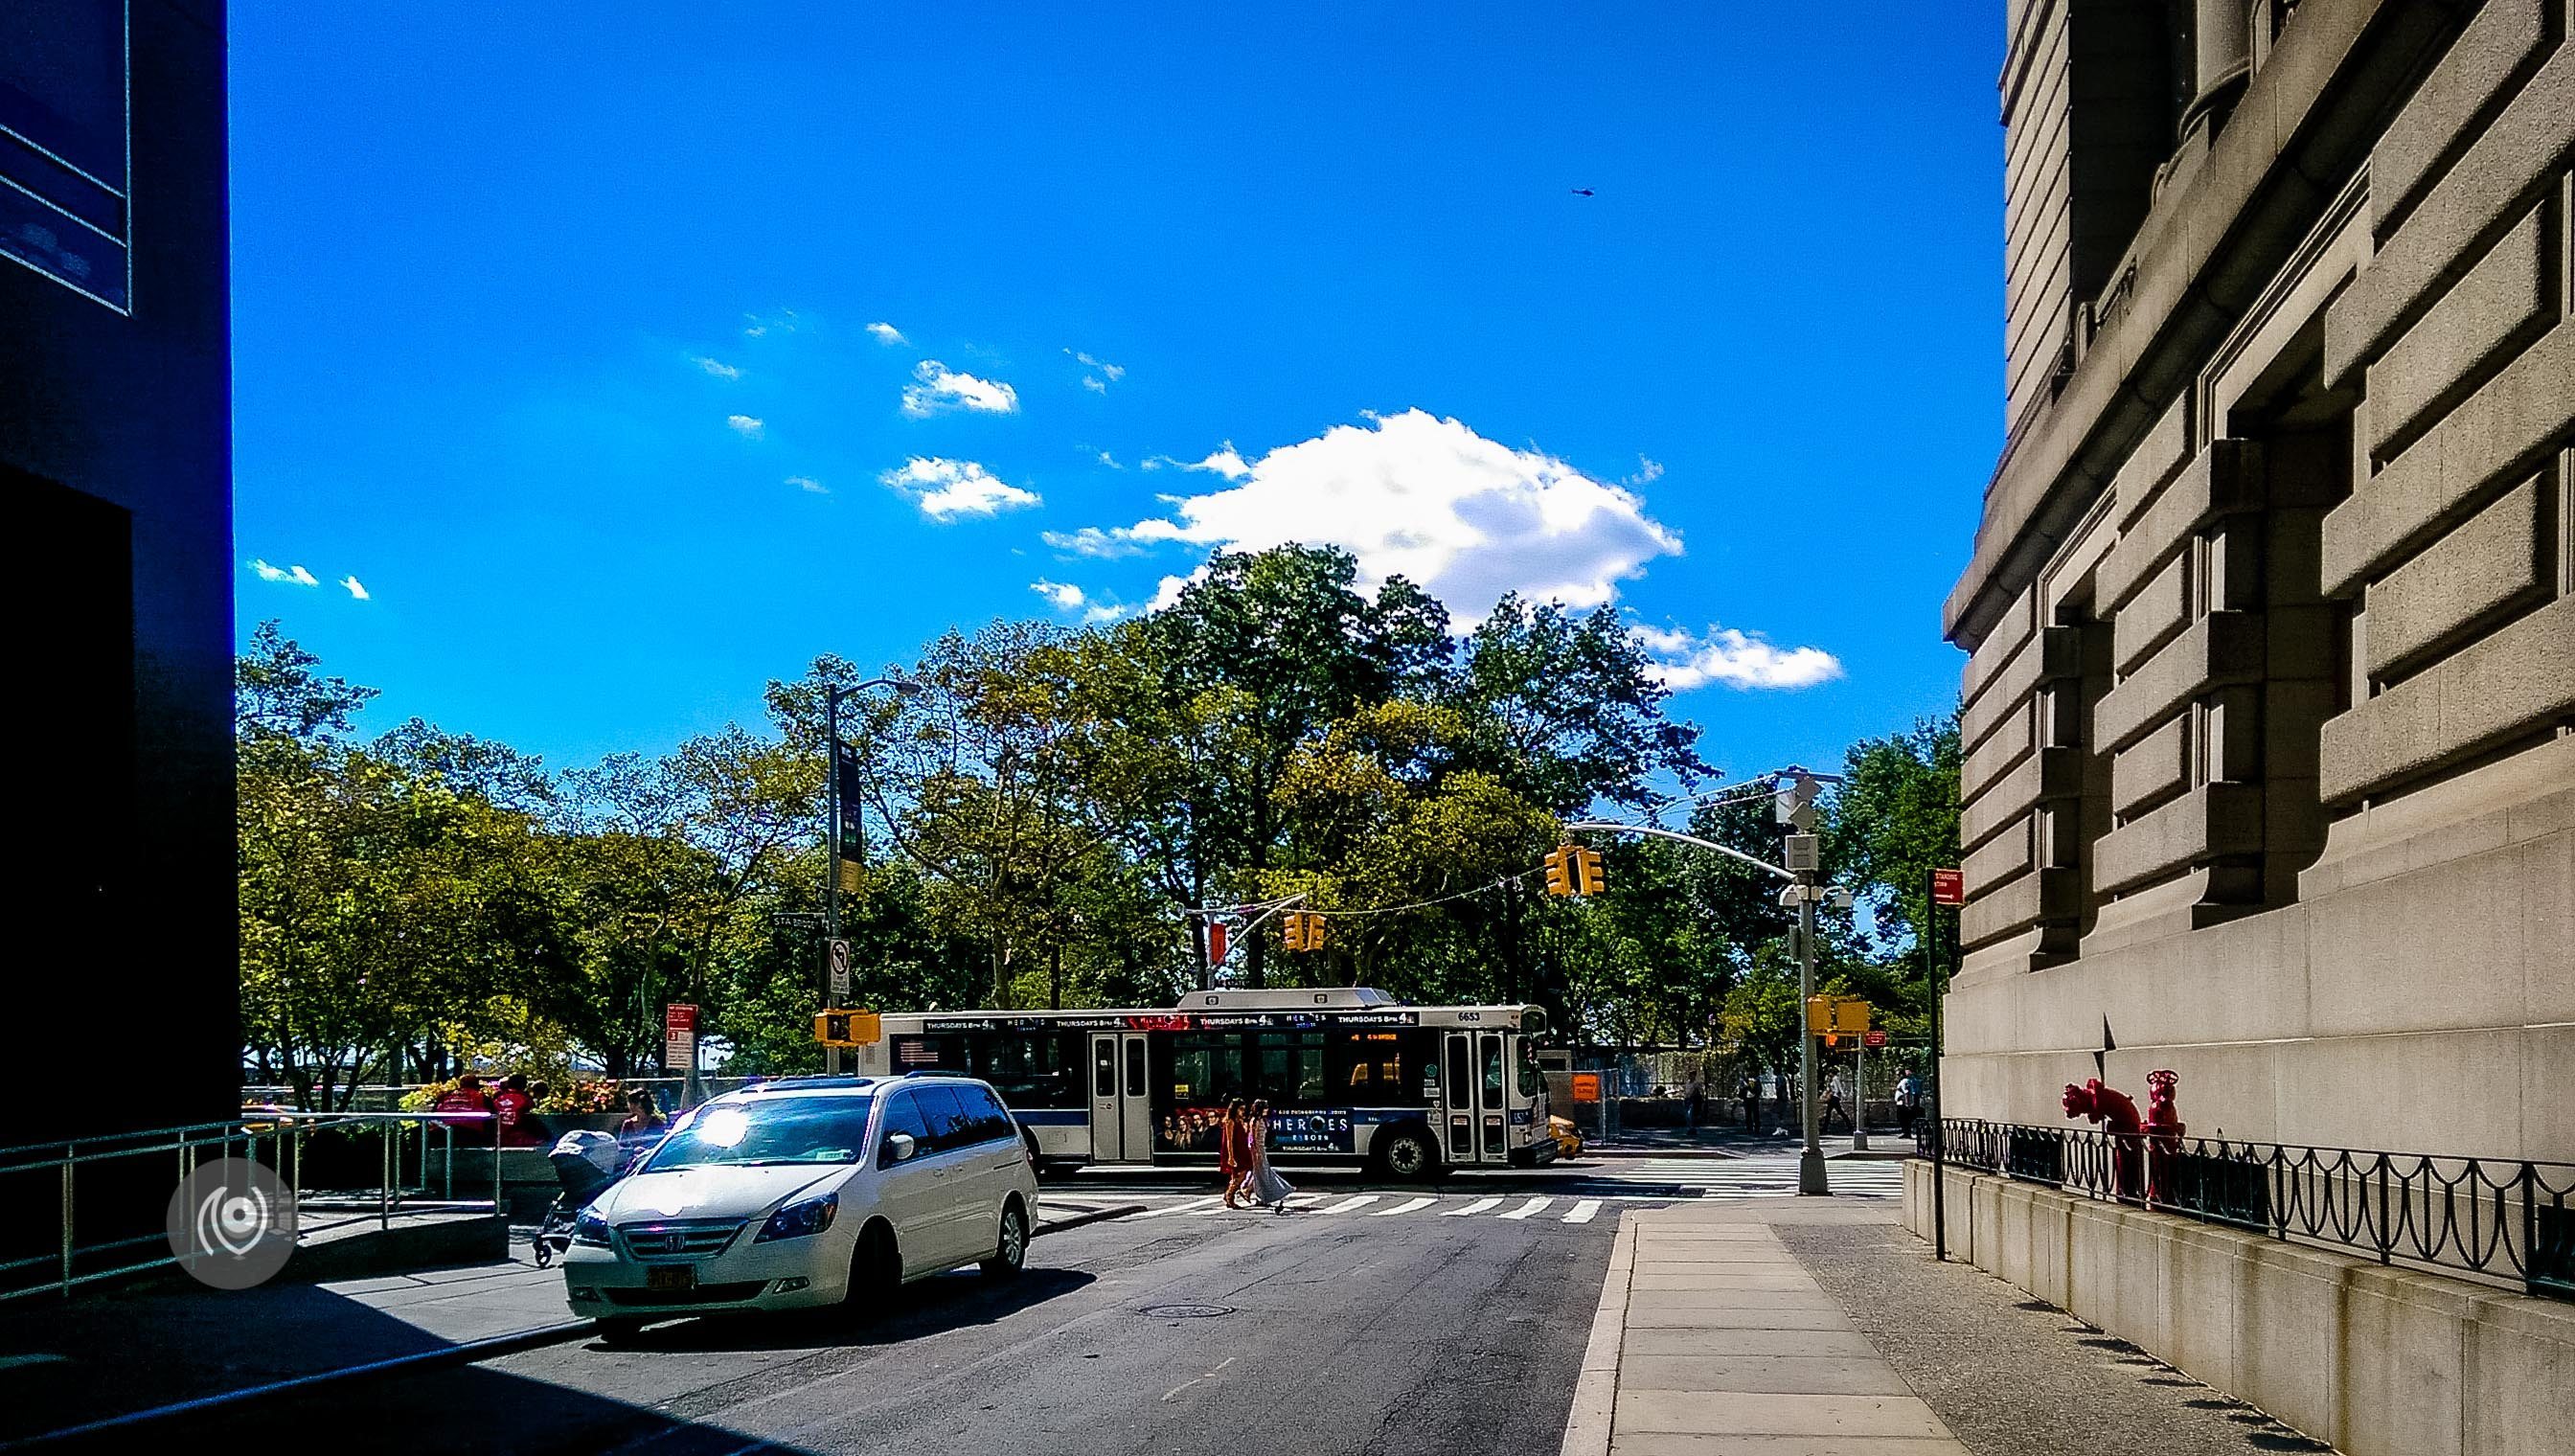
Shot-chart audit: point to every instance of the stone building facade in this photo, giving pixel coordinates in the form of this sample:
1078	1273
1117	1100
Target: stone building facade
2269	713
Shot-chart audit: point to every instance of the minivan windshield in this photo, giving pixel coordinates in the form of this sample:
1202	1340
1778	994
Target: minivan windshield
771	1130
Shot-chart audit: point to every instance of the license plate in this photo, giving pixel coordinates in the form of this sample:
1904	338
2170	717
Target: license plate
672	1277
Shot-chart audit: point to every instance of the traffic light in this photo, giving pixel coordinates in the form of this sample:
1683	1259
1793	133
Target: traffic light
1302	930
1559	870
1587	865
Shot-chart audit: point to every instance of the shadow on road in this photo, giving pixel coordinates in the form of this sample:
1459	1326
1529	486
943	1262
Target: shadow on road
949	1301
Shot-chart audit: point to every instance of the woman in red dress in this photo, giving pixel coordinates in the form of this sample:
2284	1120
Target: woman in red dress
1231	1159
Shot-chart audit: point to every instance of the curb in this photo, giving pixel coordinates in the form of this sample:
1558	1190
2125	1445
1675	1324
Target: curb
1595	1390
463	1354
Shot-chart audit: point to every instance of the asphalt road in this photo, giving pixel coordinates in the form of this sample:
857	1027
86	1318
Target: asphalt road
1237	1333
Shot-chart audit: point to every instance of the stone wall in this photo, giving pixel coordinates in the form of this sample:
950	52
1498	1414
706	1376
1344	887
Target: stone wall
2270	711
2379	1361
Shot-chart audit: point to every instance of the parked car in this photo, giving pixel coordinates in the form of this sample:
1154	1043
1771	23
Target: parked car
1568	1139
807	1191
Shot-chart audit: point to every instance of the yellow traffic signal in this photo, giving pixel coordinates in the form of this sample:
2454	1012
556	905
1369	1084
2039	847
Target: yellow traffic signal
1588	880
1559	870
1302	930
1313	931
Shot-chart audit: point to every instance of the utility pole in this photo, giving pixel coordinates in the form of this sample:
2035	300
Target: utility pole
1795	807
832	870
835	952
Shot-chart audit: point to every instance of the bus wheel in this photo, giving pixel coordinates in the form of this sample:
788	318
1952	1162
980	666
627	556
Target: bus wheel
1406	1154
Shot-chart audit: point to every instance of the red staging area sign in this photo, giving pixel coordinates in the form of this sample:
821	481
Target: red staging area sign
1948	888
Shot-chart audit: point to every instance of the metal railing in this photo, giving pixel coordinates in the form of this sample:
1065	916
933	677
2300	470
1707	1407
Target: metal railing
2497	1219
414	1172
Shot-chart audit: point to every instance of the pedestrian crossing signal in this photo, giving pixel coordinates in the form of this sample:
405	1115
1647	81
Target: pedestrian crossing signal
848	1028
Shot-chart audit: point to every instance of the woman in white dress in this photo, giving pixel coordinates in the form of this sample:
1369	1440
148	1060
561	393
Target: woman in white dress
1267	1187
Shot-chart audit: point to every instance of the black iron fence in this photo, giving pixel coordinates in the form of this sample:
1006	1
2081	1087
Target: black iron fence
2501	1219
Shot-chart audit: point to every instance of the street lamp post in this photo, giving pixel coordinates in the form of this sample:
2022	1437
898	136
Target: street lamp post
832	988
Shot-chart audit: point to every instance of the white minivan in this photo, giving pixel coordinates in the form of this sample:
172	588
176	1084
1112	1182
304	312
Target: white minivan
807	1191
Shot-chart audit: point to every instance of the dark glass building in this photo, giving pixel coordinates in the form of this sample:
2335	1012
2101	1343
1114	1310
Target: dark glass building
116	470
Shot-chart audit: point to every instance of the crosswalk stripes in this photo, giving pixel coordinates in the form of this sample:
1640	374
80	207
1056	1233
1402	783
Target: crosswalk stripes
1406	1206
1585	1211
1531	1206
1769	1175
1471	1210
1346	1204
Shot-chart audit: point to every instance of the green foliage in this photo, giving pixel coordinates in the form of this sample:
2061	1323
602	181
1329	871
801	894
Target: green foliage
1040	818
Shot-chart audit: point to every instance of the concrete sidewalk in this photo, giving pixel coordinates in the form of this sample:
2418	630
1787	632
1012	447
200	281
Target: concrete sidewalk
1710	1337
1799	1326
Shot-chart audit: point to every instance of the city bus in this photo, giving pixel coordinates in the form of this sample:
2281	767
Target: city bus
1351	1075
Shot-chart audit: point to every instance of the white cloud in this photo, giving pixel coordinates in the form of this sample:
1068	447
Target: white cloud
888	334
746	426
1465	517
1065	597
718	368
357	588
1648	472
1103	373
1682	660
292	575
755	325
948	489
937	387
1109	461
1091	540
808	483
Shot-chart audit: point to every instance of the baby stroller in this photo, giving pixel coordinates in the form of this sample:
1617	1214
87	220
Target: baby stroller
585	1163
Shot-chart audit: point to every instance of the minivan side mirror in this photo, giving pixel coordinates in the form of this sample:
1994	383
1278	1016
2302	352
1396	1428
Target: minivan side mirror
899	1146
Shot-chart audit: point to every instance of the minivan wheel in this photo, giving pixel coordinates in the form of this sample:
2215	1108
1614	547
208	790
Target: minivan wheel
876	1270
1406	1154
1010	1254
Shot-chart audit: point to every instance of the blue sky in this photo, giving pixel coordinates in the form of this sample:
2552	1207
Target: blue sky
553	333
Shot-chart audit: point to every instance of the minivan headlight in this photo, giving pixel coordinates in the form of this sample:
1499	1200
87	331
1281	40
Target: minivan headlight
800	1221
589	1228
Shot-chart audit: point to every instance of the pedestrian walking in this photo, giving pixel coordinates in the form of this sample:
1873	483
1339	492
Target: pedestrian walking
1908	1102
1231	1161
1267	1187
1833	1106
1749	1091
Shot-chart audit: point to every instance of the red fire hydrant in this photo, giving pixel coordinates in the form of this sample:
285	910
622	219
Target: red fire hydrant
2164	1128
2116	1114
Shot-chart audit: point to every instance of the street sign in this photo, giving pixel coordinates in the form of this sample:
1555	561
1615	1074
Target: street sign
679	1036
1948	888
1793	800
1586	1086
839	971
1872	1039
1218	933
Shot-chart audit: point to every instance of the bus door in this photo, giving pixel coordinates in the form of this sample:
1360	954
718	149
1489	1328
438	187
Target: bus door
1121	1115
1476	1108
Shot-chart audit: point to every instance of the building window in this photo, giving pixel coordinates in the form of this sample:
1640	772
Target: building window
64	148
